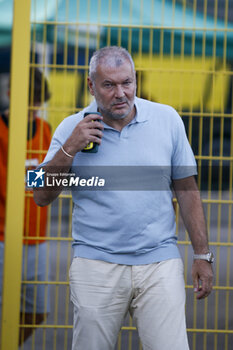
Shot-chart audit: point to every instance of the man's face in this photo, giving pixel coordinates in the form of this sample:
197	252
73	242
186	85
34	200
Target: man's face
114	89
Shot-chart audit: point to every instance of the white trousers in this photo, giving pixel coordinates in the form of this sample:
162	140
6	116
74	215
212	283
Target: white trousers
103	293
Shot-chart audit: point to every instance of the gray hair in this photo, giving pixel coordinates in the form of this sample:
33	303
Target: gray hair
113	56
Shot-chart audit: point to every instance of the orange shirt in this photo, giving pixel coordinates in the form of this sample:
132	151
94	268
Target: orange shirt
35	218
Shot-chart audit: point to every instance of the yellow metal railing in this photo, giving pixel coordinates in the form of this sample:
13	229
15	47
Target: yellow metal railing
16	171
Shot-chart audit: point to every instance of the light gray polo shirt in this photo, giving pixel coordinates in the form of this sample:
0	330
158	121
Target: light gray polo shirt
130	220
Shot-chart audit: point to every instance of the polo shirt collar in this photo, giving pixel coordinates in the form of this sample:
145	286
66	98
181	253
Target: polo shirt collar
140	116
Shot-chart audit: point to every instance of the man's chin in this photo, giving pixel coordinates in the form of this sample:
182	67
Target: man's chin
118	116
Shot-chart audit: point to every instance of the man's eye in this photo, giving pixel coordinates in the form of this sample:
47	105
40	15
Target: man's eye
107	85
127	83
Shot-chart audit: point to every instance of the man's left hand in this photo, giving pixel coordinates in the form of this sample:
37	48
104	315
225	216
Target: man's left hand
202	273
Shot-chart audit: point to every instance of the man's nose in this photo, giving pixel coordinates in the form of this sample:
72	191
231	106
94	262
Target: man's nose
119	91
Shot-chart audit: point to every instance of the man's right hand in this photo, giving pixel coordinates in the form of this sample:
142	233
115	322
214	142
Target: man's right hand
86	131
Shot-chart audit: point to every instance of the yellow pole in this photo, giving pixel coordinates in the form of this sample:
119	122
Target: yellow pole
15	174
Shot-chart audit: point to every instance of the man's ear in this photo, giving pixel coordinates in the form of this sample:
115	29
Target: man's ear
90	85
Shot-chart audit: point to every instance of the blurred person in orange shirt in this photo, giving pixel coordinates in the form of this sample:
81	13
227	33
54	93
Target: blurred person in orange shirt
34	303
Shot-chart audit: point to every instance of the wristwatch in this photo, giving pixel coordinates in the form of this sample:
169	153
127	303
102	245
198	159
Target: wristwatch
208	257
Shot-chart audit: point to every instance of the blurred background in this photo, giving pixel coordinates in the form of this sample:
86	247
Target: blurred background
183	54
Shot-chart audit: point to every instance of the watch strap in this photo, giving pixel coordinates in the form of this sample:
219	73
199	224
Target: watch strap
208	257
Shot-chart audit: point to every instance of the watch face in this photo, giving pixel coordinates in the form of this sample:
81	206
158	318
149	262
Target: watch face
210	257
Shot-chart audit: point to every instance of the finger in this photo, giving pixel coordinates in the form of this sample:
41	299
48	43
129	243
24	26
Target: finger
204	290
95	125
94	139
96	132
202	294
91	117
196	284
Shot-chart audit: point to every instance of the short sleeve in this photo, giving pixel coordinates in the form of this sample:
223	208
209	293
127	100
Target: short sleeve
183	161
61	134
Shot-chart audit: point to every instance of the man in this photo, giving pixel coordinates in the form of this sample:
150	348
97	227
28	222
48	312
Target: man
33	300
125	253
